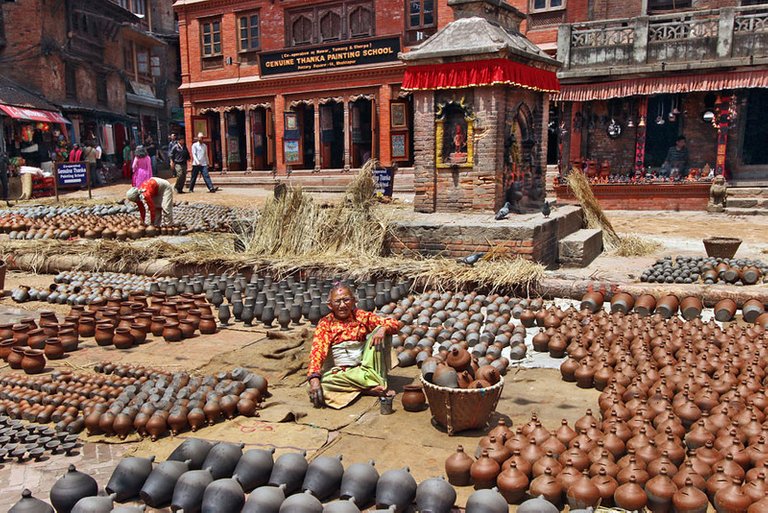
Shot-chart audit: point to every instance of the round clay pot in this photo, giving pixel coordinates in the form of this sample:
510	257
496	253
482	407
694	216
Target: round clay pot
36	338
33	361
187	328
86	327
54	349
172	332
157	326
15	357
104	333
207	324
457	467
414	398
69	340
122	338
139	333
645	305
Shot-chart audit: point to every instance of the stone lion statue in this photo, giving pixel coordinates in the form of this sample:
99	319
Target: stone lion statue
718	194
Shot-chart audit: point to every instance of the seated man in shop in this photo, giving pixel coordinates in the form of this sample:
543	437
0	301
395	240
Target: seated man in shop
158	195
355	340
675	166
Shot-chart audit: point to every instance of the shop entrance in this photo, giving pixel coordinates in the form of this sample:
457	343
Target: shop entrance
306	115
663	126
360	121
261	139
236	156
332	135
754	151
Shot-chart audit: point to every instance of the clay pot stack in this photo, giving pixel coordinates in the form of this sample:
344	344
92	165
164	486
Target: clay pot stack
205	217
708	270
121	399
24	441
682	417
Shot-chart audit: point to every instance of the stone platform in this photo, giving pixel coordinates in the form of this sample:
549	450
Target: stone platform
530	235
649	196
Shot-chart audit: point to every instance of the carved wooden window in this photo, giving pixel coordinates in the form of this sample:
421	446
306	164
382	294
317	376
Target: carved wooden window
301	30
668	5
211	34
546	5
330	25
142	61
360	21
421	20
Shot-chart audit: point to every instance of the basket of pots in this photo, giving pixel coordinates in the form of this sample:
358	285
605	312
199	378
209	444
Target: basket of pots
461	394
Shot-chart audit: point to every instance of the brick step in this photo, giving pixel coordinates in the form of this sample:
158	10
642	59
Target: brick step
747	192
580	248
745	202
315	182
746	211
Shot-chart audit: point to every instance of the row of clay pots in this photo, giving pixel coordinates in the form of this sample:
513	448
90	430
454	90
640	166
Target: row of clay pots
708	270
24	441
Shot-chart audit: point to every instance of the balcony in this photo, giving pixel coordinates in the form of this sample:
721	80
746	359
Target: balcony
691	40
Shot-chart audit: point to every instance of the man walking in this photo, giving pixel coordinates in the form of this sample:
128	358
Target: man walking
200	164
180	157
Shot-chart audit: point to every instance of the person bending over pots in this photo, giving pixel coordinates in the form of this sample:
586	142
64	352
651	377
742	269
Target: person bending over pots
158	195
355	340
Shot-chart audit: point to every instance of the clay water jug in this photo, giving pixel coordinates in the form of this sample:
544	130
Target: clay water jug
193	449
289	470
537	505
396	488
128	477
435	495
70	488
254	468
486	501
484	471
323	476
341	506
359	483
157	491
265	499
222	459
660	490
689	499
512	484
223	496
94	504
301	503
189	490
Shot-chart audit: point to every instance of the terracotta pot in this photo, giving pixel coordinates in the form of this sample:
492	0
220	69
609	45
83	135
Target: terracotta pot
691	307
592	301
20	334
15	357
414	398
54	349
36	338
457	467
667	306
139	333
6	331
484	471
69	340
752	309
122	338
207	324
33	361
157	326
645	305
187	328
583	493
5	348
622	302
725	309
172	332
104	333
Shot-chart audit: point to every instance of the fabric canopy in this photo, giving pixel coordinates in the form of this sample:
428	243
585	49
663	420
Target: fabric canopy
45	116
489	72
661	85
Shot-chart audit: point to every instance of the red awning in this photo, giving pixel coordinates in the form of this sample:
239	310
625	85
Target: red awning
46	116
661	85
460	75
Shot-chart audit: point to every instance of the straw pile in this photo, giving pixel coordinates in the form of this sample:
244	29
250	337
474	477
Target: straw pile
595	217
634	245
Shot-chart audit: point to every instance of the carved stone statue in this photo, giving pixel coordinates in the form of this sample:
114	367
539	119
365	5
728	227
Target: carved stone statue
718	194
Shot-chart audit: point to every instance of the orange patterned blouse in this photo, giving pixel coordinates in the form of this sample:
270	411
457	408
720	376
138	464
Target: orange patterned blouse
332	331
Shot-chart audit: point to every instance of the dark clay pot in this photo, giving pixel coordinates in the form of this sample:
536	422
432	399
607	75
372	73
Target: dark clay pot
359	483
289	470
341	506
70	488
189	490
486	501
157	491
15	356
537	505
265	499
194	450
94	505
435	495
128	477
223	496
222	459
254	468
396	488
29	504
323	476
301	503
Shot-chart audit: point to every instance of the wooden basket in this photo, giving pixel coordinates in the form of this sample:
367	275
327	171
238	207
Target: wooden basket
722	247
459	409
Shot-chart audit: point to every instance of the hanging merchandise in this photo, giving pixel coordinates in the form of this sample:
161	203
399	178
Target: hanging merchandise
660	118
27	133
614	129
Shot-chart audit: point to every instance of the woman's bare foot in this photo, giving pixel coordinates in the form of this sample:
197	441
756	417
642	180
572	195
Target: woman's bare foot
380	391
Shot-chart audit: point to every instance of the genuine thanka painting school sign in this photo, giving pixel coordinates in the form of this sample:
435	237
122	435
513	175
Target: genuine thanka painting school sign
351	53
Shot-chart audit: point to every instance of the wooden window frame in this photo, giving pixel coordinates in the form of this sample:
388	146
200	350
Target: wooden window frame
547	8
661	9
142	50
210	22
337	11
415	34
314	14
248	15
351	9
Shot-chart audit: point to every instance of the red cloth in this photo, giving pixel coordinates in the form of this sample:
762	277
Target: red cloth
149	189
487	72
332	331
76	155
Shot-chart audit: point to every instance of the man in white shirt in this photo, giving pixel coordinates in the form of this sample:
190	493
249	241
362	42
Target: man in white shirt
200	164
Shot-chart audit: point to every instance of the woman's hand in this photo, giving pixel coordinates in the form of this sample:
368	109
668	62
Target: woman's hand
316	393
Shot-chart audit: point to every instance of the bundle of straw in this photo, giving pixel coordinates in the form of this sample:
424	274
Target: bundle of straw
593	213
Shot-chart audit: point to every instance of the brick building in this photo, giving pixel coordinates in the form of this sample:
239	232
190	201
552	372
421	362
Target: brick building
638	74
109	67
301	85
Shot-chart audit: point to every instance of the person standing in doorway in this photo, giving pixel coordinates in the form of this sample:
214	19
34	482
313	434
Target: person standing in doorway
200	164
179	156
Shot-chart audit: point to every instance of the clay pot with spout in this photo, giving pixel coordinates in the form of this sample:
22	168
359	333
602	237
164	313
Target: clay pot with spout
189	490
457	467
128	477
435	495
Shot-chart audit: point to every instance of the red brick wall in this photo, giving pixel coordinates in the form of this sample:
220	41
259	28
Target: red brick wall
701	137
645	197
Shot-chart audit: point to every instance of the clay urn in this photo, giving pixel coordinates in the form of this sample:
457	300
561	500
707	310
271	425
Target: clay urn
222	496
193	449
128	477
29	504
189	490
484	471
457	467
157	490
486	501
70	488
583	493
359	483
434	495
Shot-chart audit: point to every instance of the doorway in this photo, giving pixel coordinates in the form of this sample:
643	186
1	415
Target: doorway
332	135
663	126
236	154
306	115
260	140
754	151
361	119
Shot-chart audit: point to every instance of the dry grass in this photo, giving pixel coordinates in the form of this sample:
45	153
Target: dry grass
634	245
595	217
